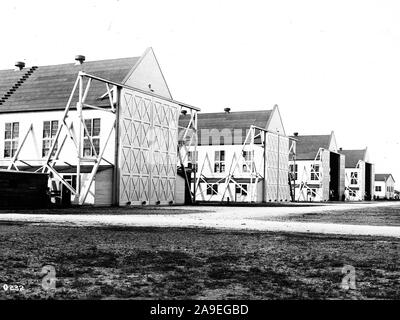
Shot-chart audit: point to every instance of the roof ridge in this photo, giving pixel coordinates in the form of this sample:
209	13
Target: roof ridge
87	61
230	112
17	84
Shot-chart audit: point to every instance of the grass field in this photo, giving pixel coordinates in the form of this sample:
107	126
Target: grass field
378	216
166	263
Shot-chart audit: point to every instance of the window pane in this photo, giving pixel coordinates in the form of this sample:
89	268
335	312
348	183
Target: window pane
88	123
222	156
7	149
54	128
7	132
96	127
96	143
14	146
46	129
15	133
45	152
216	155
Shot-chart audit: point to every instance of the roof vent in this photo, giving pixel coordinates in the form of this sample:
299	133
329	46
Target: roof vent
340	149
184	112
227	110
19	65
152	90
79	59
296	134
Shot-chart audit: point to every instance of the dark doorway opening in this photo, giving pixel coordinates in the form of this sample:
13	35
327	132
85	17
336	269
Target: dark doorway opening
334	163
368	181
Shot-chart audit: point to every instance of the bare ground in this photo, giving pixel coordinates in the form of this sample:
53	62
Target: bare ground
176	263
376	216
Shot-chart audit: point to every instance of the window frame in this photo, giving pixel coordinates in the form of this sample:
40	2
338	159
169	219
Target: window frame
49	138
87	146
191	165
12	140
248	159
242	188
296	170
315	174
219	161
212	189
353	177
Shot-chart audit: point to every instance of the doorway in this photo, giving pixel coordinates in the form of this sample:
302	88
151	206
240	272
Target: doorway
334	183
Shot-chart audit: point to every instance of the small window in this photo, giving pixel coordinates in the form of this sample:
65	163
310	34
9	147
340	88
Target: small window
93	128
241	189
49	132
219	161
212	189
352	193
248	161
353	177
11	135
71	179
378	188
312	192
193	158
293	169
315	172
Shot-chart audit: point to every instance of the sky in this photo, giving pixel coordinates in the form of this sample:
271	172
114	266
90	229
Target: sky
328	65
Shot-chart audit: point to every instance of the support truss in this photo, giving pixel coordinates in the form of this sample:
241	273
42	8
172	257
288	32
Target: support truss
255	171
187	142
307	172
66	130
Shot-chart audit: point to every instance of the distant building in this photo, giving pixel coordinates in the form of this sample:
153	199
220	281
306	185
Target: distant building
384	186
240	157
359	180
317	168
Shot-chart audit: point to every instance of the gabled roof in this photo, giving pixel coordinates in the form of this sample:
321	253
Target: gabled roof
49	87
383	176
353	157
240	120
307	146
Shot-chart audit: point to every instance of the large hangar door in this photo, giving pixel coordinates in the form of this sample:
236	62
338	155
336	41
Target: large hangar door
148	136
342	176
277	168
334	184
368	182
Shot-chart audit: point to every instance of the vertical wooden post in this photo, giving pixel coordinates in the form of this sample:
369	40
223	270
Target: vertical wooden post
195	156
277	185
80	137
116	178
264	196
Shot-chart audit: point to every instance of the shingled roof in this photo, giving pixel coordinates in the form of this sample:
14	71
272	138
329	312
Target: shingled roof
353	157
49	87
241	120
382	176
307	146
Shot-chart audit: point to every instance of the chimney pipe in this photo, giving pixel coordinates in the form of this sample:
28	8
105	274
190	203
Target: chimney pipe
227	110
19	65
340	149
296	134
80	59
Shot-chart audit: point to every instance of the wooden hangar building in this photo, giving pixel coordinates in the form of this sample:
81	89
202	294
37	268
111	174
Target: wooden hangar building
240	156
317	168
105	131
359	180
